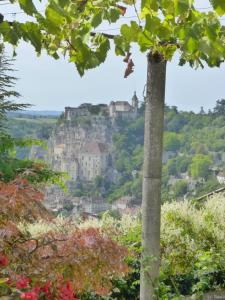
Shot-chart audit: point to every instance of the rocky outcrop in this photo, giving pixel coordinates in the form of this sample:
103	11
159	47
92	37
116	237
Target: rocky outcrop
83	149
81	145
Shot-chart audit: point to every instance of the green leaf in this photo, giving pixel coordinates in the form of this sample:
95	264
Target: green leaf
120	48
34	35
96	20
181	6
167	7
164	32
168	51
4	28
28	7
11	37
130	33
152	24
145	41
126	32
219	6
192	45
103	49
59	10
150	5
113	14
54	17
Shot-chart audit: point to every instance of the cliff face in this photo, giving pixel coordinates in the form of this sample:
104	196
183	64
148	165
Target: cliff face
81	145
83	149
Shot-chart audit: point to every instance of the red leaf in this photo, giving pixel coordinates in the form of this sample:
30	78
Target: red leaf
23	283
130	68
3	260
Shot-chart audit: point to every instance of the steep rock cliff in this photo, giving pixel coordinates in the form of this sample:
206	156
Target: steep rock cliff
83	149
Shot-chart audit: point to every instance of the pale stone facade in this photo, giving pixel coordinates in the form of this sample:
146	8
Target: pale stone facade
81	157
93	161
94	205
221	177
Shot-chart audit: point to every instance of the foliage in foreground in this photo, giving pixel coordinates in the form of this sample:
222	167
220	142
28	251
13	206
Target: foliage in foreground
56	264
89	256
192	248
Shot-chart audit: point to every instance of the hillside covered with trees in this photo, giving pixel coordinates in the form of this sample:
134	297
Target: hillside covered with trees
193	153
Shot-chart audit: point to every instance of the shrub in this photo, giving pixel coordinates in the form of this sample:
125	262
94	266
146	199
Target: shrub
72	261
192	248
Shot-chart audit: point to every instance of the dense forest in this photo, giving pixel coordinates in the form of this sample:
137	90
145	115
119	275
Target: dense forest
193	151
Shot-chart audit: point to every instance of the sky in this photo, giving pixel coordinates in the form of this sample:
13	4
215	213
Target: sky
51	84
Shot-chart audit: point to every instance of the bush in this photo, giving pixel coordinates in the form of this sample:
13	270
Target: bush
63	260
180	188
192	249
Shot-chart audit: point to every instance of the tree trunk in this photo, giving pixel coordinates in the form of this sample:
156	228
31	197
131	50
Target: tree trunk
152	173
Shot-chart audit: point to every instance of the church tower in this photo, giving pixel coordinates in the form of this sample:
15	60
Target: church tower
135	102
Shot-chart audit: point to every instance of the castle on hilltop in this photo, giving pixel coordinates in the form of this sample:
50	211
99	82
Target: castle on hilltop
85	152
122	109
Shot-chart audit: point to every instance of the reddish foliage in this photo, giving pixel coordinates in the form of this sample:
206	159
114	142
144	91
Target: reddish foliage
130	68
88	258
32	295
18	190
3	260
66	292
23	282
21	201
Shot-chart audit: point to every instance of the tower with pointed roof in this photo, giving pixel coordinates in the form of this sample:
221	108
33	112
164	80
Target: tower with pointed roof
135	102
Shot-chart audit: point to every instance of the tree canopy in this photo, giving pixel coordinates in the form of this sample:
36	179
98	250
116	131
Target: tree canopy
163	27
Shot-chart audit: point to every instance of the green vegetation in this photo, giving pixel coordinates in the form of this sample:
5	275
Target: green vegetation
193	152
192	248
193	149
17	135
200	166
30	126
81	120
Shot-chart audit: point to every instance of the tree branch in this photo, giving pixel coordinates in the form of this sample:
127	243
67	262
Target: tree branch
136	11
109	36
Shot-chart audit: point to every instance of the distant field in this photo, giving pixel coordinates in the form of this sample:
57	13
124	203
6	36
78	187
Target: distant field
51	120
30	126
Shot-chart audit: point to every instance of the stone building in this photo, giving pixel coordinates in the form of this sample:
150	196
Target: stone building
221	177
94	205
123	109
116	109
82	146
93	161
